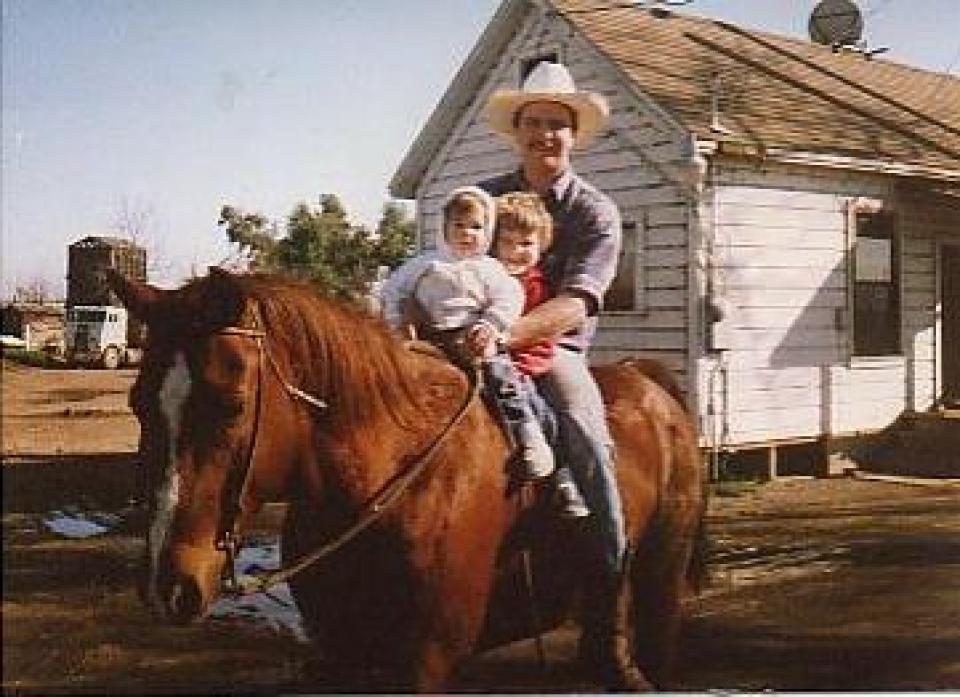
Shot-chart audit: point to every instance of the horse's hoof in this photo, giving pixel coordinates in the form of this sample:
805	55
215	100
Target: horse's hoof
611	668
628	679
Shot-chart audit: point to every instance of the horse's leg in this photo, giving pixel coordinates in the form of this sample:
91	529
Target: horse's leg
452	616
623	673
457	579
659	584
605	651
433	667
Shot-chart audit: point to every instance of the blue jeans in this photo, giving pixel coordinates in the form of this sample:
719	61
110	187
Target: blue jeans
517	398
586	445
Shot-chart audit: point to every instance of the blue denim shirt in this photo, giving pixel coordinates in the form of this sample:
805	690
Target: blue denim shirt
586	244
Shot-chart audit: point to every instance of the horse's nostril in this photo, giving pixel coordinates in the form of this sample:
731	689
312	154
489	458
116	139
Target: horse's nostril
184	601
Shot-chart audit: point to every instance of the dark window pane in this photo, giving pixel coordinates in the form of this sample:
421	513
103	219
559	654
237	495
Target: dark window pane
876	311
623	291
529	64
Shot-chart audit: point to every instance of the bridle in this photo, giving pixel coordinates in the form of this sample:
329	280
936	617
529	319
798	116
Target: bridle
228	538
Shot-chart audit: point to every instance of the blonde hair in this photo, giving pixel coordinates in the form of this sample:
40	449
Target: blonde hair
525	212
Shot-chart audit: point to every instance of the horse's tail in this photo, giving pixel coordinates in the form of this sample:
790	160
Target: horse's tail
697	571
660	374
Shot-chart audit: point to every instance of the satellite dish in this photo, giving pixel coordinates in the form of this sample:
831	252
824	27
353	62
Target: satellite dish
836	23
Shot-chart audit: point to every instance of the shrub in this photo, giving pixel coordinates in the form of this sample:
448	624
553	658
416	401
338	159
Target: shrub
31	357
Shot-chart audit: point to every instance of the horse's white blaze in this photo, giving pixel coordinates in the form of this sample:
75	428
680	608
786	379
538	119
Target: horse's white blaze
173	395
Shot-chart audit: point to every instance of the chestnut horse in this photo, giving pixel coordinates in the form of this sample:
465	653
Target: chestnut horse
254	388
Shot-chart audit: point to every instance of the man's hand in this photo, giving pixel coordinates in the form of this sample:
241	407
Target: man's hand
548	321
408	331
481	340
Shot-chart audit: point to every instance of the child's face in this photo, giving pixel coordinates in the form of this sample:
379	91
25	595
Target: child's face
518	250
466	234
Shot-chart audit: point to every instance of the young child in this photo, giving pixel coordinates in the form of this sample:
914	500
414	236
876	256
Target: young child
524	232
469	299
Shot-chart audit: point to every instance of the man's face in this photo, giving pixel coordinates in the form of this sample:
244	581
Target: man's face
518	250
545	135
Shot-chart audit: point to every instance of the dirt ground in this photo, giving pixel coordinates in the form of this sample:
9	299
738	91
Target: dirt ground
56	412
816	584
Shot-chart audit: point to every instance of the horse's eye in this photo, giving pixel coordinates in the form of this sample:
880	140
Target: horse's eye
228	406
231	407
234	364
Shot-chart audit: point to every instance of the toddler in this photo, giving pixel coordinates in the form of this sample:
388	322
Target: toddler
524	232
470	300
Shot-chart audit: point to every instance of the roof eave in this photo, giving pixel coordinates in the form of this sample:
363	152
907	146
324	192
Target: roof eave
710	148
462	89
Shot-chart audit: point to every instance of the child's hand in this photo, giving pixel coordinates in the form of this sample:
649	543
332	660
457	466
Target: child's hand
481	340
408	331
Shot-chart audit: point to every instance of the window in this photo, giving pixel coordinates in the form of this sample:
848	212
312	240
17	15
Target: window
876	285
626	293
92	316
529	63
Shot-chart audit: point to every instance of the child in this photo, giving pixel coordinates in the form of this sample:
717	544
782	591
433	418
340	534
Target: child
469	299
524	232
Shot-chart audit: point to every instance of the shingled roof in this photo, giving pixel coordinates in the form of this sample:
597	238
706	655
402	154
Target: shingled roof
773	93
776	92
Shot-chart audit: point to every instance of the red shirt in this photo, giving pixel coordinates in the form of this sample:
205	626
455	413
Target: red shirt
536	359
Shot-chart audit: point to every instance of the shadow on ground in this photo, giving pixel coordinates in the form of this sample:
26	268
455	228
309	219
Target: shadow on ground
34	484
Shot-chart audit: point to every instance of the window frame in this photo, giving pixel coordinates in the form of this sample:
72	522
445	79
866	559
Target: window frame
527	60
856	209
639	281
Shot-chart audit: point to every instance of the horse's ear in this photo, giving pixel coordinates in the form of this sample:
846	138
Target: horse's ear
138	297
224	300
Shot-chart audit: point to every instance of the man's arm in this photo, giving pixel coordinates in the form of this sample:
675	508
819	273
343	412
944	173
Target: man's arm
550	320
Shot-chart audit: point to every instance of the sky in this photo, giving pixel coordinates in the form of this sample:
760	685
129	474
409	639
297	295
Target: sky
168	109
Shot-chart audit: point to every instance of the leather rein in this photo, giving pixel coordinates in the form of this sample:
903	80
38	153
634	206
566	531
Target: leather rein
229	539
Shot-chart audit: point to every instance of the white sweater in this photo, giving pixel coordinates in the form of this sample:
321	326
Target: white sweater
454	292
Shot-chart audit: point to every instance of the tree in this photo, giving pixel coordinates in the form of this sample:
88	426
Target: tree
321	245
256	244
34	291
136	222
396	235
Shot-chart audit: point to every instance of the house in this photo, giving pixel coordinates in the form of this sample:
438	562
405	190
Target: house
791	213
39	324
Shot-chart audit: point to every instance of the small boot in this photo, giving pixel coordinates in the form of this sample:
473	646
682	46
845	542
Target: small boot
536	455
570	503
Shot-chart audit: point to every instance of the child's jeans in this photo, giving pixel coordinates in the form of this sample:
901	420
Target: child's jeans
521	406
517	398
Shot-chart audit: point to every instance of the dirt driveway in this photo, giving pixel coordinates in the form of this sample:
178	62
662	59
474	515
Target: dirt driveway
817	585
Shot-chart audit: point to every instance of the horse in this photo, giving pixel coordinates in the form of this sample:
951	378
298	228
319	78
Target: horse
255	388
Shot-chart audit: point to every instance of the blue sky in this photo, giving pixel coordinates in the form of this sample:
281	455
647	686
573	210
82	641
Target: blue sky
171	108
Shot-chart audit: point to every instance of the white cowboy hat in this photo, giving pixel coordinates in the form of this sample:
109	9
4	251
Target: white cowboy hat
548	82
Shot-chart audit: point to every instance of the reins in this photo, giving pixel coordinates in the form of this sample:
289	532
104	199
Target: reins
370	513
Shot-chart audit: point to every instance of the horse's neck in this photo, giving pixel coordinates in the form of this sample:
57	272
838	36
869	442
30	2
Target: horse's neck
371	454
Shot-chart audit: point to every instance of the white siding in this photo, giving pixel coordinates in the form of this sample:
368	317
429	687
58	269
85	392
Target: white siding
778	254
927	222
631	163
780	258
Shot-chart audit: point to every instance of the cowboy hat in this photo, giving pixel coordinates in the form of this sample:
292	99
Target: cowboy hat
548	82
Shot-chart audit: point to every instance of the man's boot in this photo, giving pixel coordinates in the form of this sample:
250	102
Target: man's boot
605	644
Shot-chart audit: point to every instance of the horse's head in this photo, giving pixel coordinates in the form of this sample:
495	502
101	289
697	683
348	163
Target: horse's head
199	399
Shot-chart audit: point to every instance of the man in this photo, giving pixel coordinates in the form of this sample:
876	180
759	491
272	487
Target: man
544	120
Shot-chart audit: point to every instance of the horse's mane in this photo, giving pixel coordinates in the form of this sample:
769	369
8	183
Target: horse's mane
331	348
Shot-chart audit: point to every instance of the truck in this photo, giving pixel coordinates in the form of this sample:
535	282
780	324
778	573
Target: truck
98	330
